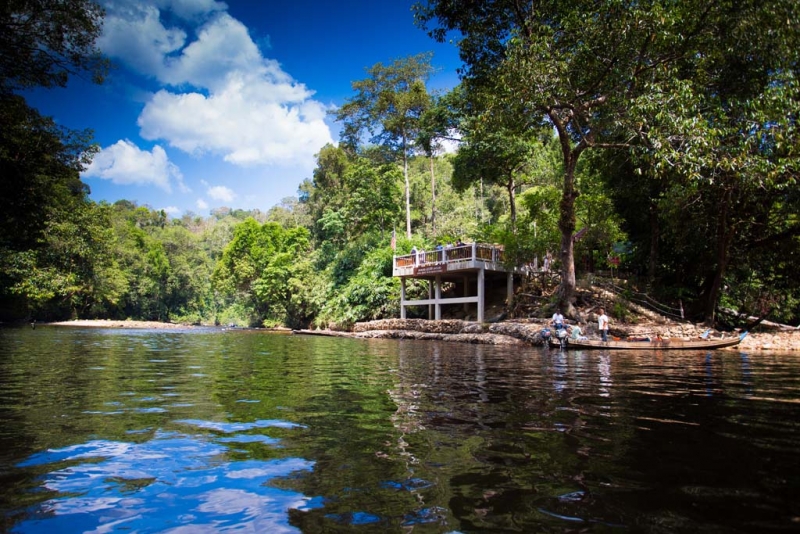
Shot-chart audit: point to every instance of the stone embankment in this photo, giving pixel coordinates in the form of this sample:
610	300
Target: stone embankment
450	330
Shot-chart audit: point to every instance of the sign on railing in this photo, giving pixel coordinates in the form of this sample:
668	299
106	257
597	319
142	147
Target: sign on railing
435	268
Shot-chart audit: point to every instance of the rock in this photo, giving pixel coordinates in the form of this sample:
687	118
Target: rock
472	328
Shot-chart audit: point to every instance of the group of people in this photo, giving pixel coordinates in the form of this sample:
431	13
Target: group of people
575	332
458	243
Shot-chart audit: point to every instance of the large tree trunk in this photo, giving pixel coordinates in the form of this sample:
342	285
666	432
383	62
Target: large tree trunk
566	219
725	235
655	233
433	199
408	188
511	187
566	223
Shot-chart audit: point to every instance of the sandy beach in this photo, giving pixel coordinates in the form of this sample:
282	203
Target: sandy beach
108	323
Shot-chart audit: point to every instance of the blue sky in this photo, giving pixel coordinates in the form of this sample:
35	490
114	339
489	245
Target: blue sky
215	104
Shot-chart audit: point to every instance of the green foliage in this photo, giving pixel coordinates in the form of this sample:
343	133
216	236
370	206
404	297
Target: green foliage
620	311
388	103
701	88
261	268
39	172
54	240
368	292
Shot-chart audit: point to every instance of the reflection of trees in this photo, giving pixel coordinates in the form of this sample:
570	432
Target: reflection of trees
501	432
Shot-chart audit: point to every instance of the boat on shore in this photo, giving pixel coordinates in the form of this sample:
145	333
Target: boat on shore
649	343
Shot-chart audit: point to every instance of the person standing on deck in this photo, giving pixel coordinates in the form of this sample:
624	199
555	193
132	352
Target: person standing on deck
602	324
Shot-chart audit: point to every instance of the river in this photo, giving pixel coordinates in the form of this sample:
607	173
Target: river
203	430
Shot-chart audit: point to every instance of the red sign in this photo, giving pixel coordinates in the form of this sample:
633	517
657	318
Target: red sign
614	261
436	268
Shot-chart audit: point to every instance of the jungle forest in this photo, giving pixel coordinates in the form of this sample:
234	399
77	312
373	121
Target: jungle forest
657	137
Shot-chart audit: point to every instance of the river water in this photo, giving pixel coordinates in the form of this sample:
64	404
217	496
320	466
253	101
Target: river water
105	430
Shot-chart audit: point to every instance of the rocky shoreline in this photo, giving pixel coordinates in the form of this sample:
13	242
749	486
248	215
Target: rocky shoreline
527	332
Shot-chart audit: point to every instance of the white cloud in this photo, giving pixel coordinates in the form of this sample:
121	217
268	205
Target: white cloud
202	204
172	210
124	163
242	122
223	45
221	193
241	105
133	33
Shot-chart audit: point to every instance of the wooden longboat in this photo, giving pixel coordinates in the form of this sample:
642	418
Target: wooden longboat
651	344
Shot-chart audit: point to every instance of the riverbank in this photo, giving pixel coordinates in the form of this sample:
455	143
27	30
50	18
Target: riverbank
527	332
516	332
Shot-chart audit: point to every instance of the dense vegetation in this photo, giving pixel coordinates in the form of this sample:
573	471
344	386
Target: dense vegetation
664	134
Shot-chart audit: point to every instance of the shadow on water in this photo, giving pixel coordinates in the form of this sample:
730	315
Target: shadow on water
207	431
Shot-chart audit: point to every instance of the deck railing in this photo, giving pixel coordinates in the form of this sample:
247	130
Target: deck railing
446	255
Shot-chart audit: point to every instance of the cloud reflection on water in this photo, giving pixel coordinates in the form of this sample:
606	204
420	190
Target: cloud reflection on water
174	482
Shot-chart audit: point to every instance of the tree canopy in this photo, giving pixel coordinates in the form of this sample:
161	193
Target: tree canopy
44	42
389	103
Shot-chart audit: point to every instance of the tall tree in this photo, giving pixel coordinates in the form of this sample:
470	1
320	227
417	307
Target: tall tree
388	104
42	43
499	158
438	124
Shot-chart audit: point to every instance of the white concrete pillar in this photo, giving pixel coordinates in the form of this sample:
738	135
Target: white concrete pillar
402	297
438	297
466	292
430	296
481	293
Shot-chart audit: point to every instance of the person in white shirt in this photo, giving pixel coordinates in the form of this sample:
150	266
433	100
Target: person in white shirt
602	324
558	320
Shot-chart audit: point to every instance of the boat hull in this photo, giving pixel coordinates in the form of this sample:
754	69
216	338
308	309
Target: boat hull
656	344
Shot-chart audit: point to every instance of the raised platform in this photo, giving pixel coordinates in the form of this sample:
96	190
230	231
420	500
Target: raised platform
470	257
466	266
